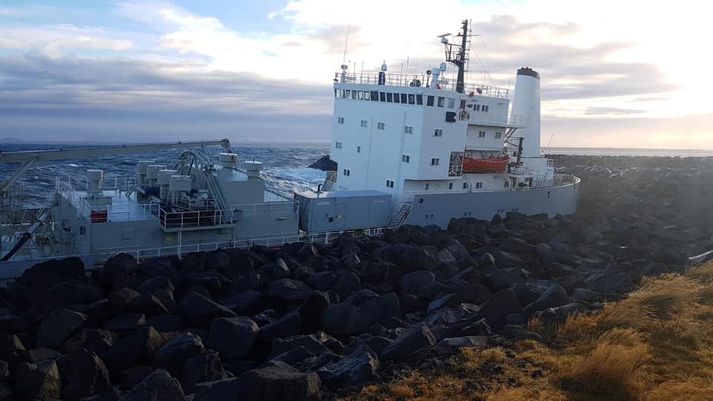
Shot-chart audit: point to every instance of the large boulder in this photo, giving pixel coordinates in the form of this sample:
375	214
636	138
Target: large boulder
498	307
553	297
40	381
11	323
12	350
345	319
138	347
248	302
288	325
158	386
83	374
218	390
75	292
46	274
314	343
172	355
418	283
233	337
312	311
117	272
201	368
199	310
408	343
354	369
278	381
59	326
289	290
385	309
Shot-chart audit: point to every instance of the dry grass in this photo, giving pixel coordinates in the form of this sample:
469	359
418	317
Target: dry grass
655	345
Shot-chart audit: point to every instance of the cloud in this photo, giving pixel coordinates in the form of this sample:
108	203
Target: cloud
61	39
611	110
129	100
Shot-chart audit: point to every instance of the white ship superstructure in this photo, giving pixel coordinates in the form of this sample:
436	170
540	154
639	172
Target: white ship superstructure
416	136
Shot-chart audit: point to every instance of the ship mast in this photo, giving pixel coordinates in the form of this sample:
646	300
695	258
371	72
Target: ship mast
457	54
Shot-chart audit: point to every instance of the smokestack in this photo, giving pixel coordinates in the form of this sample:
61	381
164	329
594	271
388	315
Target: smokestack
526	105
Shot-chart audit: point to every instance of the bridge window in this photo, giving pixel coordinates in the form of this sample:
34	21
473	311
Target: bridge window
451	103
396	98
405	158
364	123
476	107
354	95
465	185
382	96
486	107
338	145
498	135
441	101
340	120
478	185
358	149
429	101
411	99
389	97
380	126
408	129
481	134
438	132
360	95
374	96
419	100
347	172
389	184
435	161
403	98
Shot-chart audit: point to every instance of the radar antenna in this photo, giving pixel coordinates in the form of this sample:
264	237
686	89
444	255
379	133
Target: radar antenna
458	54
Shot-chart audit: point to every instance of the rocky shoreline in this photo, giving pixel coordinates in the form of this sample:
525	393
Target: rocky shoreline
316	321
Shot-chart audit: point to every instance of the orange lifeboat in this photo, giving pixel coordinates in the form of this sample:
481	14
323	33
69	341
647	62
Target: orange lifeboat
490	165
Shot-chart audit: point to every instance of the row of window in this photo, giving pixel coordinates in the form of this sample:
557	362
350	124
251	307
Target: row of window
407	98
498	135
427	186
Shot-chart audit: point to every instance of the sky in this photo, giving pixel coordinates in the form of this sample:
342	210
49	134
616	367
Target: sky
614	73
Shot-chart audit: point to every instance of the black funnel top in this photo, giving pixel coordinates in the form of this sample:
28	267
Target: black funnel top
529	72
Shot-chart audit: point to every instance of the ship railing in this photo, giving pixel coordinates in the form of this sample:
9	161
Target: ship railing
268	242
179	218
280	208
420	80
119	183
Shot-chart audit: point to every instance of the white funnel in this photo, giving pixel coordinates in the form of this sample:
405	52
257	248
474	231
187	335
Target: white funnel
526	110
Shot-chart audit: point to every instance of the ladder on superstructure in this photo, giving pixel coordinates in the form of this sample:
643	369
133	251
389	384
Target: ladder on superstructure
401	216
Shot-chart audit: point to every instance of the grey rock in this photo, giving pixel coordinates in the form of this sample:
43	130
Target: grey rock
501	304
555	296
59	326
233	337
40	381
158	386
454	344
354	369
287	325
405	345
344	319
278	381
174	354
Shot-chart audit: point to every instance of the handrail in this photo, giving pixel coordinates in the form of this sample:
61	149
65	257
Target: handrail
420	80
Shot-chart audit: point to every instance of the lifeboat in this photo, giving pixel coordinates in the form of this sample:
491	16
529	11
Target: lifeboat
489	165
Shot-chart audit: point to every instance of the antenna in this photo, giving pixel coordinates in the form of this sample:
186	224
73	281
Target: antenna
346	42
458	54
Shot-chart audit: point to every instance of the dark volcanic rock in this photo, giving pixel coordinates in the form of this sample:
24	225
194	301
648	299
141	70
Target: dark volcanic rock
405	345
11	323
40	381
418	283
174	354
46	274
233	337
139	346
453	344
555	296
345	319
201	368
312	311
83	374
248	302
501	304
199	310
355	368
324	163
58	327
158	386
278	381
289	290
288	325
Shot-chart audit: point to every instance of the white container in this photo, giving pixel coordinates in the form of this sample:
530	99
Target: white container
229	160
178	183
152	171
94	179
164	176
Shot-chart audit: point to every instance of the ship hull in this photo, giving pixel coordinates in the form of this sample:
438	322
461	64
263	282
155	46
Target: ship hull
439	209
